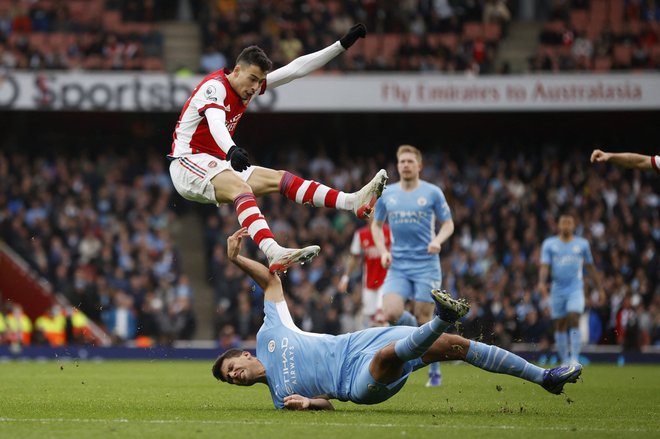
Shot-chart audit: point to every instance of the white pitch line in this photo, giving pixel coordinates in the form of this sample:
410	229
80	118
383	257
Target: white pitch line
315	424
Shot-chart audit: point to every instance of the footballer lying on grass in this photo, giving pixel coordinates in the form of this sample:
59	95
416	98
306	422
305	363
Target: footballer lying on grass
304	370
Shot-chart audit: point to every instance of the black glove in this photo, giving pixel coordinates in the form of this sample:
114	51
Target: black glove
238	157
357	31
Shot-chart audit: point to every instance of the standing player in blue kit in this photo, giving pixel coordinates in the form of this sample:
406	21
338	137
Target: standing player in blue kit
411	207
566	255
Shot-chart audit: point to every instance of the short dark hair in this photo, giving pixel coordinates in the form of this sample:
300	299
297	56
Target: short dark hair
567	211
229	353
254	55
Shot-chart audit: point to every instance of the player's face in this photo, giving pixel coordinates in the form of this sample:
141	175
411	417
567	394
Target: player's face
408	166
248	79
566	225
239	370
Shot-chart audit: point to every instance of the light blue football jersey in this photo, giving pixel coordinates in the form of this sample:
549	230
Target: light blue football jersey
299	362
310	364
566	260
412	218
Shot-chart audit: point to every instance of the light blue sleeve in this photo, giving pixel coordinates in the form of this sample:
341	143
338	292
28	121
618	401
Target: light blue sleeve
441	207
588	258
545	252
380	213
271	316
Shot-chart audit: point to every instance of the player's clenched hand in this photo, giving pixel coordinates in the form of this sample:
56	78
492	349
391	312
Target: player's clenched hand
357	31
598	156
238	157
386	259
234	242
296	402
433	248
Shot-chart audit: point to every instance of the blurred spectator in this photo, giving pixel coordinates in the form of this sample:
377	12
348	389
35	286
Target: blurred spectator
496	11
52	326
3	326
19	326
212	60
176	321
120	321
228	338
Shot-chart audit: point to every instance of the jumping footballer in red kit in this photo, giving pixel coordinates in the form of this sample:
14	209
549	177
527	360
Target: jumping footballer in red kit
208	167
373	274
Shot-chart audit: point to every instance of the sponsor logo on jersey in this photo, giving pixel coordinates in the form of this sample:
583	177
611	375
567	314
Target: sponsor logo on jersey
231	123
289	371
407	216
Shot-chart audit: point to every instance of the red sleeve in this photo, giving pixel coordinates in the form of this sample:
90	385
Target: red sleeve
263	87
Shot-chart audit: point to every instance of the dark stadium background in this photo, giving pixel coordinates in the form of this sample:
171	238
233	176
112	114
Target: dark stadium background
360	133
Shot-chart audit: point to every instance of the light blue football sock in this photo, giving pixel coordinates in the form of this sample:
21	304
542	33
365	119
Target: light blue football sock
561	340
434	369
420	340
575	339
406	319
494	359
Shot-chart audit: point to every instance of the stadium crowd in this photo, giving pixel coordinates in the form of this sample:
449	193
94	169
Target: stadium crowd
124	34
503	206
81	35
600	35
97	228
417	35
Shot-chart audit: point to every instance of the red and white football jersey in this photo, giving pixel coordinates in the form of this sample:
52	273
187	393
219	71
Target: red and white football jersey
363	244
192	134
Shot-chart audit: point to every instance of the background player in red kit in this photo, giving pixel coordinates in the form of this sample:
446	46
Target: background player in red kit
373	273
208	167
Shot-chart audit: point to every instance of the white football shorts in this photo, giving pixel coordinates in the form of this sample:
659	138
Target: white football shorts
372	301
192	174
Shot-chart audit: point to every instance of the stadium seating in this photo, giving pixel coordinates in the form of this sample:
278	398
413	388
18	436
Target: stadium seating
616	34
99	235
62	39
393	44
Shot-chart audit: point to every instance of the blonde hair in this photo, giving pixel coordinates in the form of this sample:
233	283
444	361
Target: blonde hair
409	148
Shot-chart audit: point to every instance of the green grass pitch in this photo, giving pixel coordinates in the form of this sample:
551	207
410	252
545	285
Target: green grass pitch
180	399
